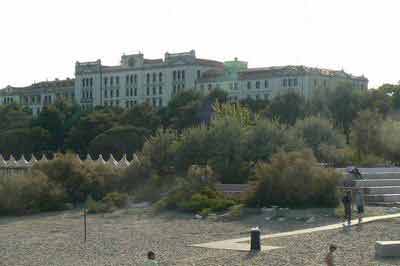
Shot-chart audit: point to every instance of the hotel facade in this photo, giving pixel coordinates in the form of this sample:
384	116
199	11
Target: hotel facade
138	80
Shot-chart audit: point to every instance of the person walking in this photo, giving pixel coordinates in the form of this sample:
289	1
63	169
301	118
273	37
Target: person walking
329	259
151	259
347	202
360	205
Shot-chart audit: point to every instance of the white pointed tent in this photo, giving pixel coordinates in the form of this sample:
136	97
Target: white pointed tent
33	160
22	162
101	159
3	163
112	162
44	158
88	159
123	163
78	158
12	162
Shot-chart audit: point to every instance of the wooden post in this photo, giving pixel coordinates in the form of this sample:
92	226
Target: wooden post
84	223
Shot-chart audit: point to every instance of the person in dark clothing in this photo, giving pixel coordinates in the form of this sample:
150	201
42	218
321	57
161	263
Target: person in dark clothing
356	173
347	201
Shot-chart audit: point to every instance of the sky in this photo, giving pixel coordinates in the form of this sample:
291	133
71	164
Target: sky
42	39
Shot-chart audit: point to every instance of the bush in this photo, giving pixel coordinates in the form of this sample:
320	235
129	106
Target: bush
29	194
199	202
236	211
294	180
94	207
79	180
117	199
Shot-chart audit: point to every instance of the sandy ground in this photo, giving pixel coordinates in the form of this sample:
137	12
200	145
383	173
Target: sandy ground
124	238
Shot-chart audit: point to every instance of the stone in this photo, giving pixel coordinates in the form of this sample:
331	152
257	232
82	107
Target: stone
387	248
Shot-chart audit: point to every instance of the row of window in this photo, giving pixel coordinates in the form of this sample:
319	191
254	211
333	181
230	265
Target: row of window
87	94
87	82
154	77
179	75
154	90
129	104
8	100
47	99
257	84
178	87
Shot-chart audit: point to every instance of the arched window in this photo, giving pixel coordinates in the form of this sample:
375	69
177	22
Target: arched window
105	81
154	77
148	78
111	81
127	79
135	78
179	75
117	80
160	77
183	74
131	79
91	82
174	75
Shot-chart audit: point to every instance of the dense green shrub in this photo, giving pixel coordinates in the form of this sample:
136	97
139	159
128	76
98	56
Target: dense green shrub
294	180
77	179
30	193
117	199
109	203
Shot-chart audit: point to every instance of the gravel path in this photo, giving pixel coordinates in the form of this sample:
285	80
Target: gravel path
124	239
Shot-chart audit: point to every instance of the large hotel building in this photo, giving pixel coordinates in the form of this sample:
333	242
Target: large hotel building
137	80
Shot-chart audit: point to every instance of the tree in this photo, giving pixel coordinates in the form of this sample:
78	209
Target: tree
266	138
366	133
234	111
183	110
160	151
25	141
287	108
193	148
52	120
377	100
390	141
344	104
142	116
13	116
316	131
393	91
88	127
226	150
118	141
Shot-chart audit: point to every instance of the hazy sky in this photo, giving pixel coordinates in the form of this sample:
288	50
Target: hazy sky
42	39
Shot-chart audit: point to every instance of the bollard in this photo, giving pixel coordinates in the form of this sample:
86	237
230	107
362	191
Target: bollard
255	239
